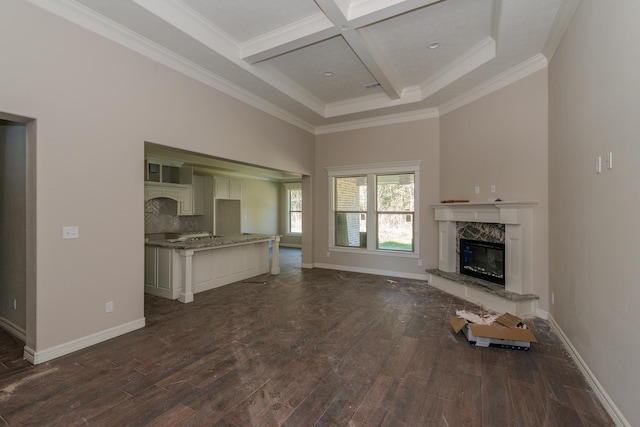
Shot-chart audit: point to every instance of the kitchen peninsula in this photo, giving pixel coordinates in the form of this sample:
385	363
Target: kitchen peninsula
179	268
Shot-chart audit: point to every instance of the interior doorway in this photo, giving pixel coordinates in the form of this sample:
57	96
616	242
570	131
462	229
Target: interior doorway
17	227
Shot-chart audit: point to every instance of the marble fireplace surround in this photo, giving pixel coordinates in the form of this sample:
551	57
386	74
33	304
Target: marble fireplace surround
517	218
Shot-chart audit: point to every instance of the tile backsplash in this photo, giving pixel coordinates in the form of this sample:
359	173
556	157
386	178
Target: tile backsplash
161	216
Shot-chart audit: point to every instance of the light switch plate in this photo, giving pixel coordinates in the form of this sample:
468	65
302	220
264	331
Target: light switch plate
70	232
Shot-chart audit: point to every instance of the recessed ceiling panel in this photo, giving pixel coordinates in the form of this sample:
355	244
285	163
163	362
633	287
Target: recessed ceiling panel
307	66
246	19
457	25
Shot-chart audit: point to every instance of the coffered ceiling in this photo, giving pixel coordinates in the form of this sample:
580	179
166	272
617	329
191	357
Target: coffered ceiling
327	64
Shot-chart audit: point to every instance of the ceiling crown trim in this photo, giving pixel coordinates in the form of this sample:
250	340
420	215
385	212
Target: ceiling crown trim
86	18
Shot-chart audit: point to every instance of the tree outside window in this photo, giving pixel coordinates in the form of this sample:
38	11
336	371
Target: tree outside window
294	196
395	211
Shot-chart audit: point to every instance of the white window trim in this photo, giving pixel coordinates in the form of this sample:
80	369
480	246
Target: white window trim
370	170
288	187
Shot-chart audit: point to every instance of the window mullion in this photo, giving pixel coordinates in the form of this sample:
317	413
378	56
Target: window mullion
372	230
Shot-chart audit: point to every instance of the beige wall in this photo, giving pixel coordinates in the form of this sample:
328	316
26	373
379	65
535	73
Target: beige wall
259	206
594	107
95	104
501	139
417	140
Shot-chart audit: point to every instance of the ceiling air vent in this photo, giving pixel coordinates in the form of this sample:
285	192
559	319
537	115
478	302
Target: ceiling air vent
372	85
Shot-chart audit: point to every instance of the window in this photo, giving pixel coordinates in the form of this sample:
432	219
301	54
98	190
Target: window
351	211
294	207
394	210
373	208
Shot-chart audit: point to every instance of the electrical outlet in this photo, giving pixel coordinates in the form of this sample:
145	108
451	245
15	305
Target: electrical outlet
328	254
477	189
493	188
420	262
108	307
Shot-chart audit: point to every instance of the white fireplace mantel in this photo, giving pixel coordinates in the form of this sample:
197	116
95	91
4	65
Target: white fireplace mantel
518	220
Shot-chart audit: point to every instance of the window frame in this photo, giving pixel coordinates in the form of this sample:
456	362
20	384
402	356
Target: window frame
371	171
288	188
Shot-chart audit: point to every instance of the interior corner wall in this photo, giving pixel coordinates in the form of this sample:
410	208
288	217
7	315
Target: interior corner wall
13	146
501	140
96	103
410	141
594	95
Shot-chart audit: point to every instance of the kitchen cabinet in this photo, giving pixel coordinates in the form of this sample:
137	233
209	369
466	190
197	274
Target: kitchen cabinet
198	195
177	270
161	271
183	194
162	170
227	188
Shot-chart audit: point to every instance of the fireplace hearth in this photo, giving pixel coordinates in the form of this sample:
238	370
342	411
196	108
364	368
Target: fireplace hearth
483	260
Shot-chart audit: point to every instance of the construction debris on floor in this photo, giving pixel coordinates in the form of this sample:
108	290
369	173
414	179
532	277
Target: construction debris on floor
492	330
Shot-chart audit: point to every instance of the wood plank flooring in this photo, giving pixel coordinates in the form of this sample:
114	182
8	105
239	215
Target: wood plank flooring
309	348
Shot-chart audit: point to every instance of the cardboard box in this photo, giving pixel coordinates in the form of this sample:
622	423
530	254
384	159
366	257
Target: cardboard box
506	332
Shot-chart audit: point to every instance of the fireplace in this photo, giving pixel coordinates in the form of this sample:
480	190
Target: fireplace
517	218
483	260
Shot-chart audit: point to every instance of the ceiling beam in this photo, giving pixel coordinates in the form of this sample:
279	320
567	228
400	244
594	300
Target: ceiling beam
285	39
184	19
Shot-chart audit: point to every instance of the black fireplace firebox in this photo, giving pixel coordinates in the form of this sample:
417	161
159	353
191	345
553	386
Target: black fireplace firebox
483	260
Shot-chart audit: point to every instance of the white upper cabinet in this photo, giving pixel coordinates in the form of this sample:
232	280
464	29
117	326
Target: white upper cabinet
226	188
175	182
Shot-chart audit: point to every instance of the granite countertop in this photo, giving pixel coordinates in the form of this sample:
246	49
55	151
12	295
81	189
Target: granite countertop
209	242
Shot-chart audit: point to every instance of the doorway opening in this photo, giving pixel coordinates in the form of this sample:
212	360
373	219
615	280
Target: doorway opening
17	228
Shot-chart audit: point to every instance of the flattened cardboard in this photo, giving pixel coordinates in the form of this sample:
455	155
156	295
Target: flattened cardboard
502	333
497	334
457	323
509	320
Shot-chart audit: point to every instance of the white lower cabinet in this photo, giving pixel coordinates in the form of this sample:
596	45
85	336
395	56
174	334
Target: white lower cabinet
161	272
210	267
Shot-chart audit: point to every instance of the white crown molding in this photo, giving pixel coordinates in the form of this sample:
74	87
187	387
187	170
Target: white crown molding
598	389
560	25
92	21
520	71
41	356
475	57
195	26
372	102
96	23
389	119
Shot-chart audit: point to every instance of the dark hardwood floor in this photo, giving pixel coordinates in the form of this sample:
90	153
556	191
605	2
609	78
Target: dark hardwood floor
309	347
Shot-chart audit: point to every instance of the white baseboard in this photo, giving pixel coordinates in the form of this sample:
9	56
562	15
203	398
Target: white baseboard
36	357
13	329
600	392
542	314
291	245
404	275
